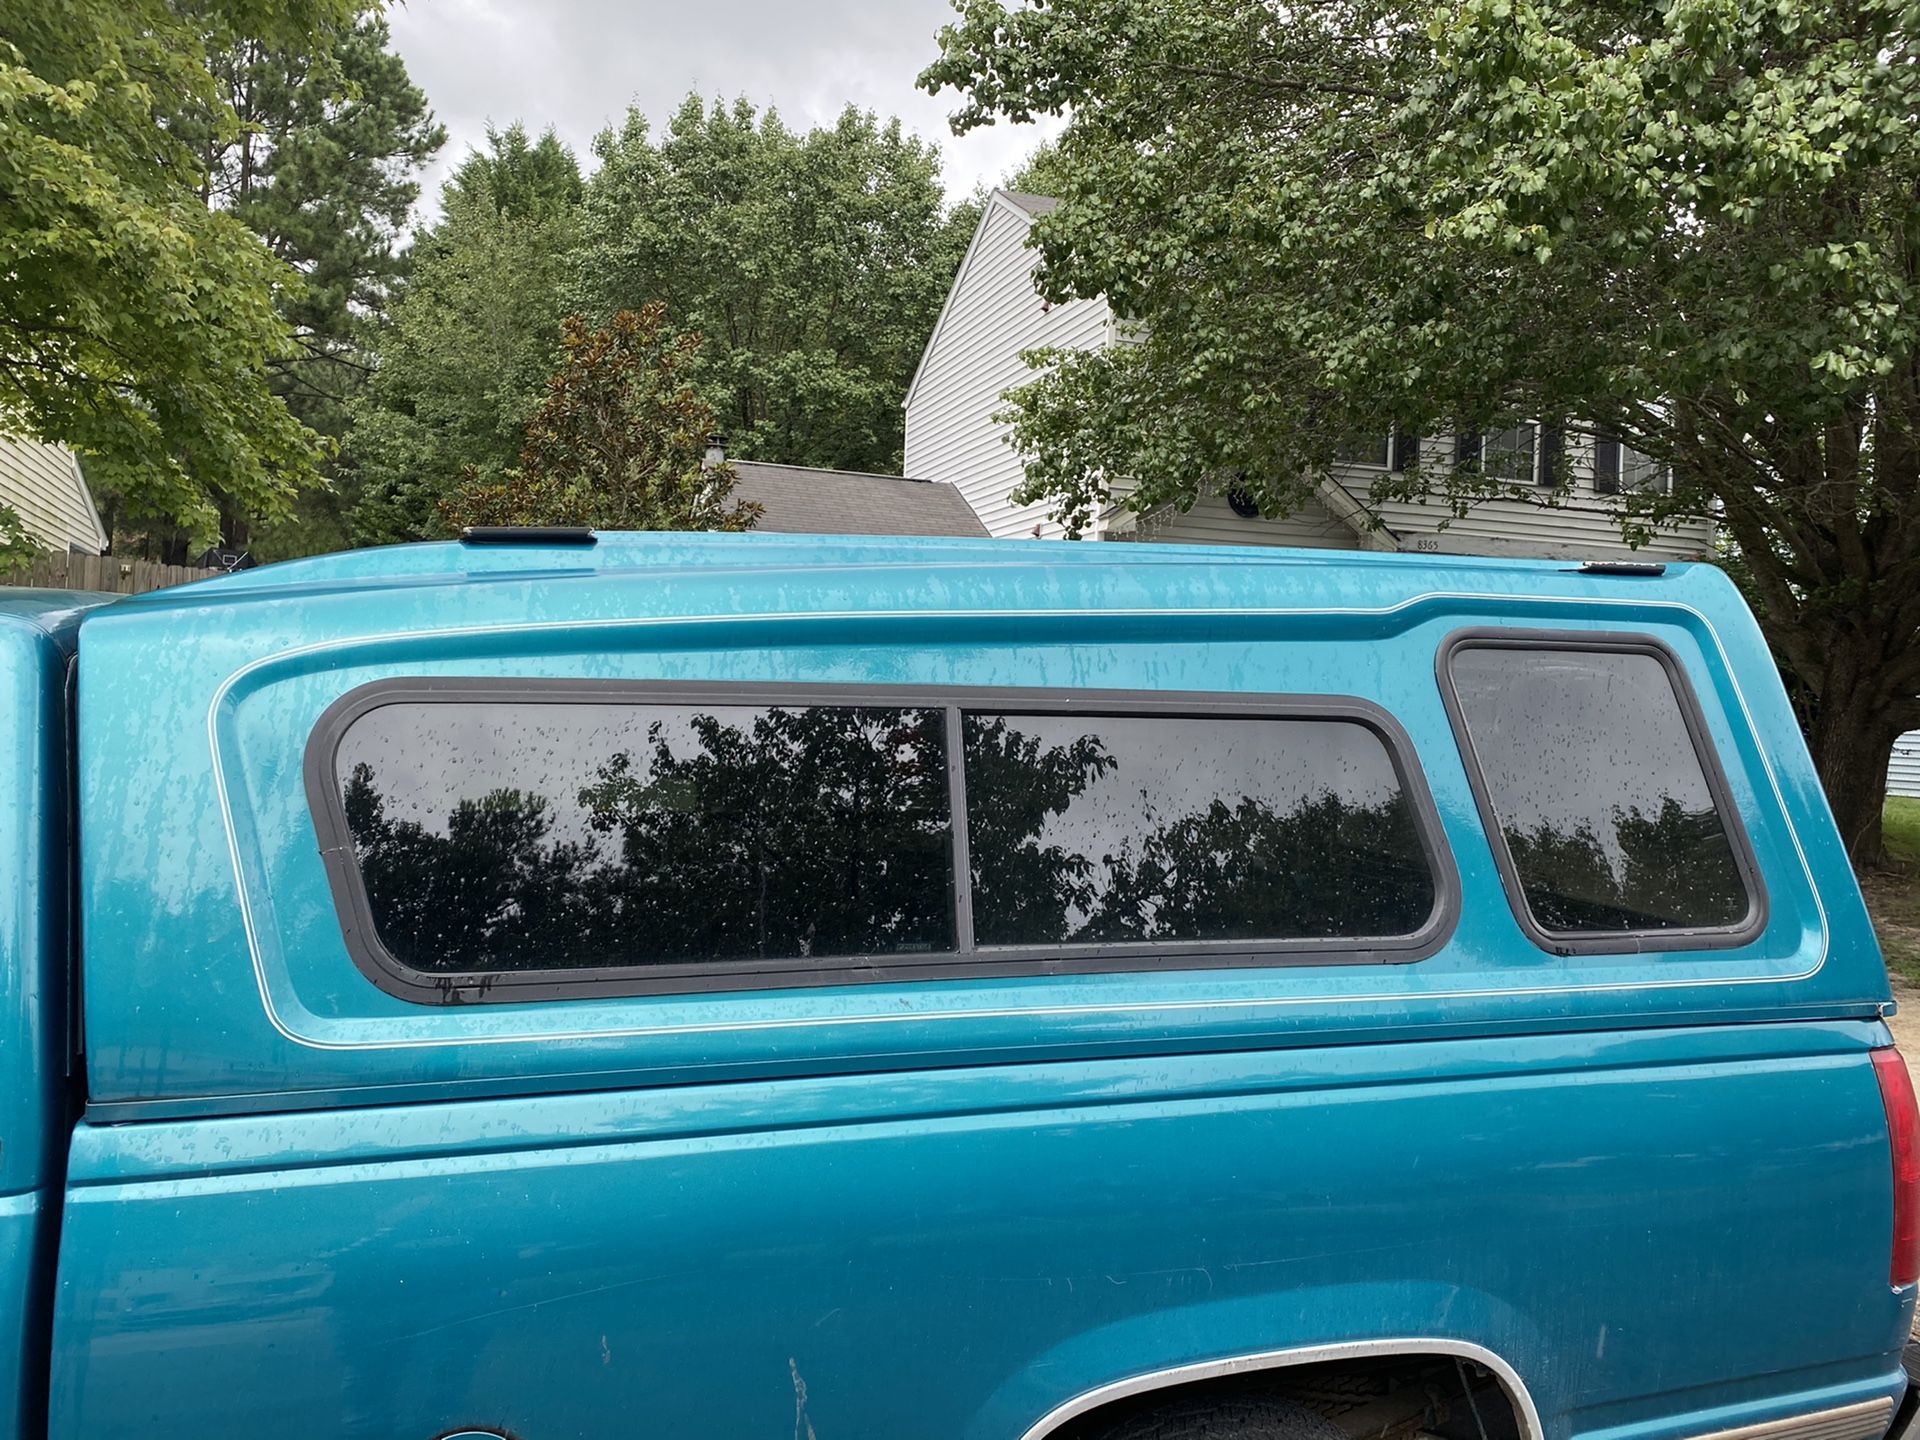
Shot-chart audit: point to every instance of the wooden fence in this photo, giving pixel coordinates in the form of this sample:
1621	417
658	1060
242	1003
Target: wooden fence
102	572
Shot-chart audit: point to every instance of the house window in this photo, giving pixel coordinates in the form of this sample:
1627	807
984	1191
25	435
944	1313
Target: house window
1620	469
1600	792
1528	454
1397	451
486	839
1511	455
1372	451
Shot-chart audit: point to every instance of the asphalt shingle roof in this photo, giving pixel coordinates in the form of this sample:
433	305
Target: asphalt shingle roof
800	500
1035	205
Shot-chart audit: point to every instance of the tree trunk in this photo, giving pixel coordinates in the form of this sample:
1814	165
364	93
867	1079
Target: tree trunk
235	526
1852	741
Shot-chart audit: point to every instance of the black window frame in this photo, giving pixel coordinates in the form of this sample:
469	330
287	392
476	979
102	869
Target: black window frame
969	960
1604	942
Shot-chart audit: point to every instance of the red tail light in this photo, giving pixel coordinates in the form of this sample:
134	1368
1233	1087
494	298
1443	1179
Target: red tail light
1903	1129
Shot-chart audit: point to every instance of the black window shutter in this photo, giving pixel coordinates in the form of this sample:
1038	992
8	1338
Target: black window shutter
1553	448
1606	465
1466	450
1406	451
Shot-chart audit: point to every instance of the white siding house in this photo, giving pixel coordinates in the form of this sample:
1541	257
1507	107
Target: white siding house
993	314
1903	771
43	485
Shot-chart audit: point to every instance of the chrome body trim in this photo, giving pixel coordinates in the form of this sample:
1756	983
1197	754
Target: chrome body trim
1231	1365
1863	1420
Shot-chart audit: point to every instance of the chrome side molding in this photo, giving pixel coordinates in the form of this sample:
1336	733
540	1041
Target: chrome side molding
1523	1406
1863	1420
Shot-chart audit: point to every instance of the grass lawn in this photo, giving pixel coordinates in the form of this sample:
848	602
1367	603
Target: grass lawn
1894	895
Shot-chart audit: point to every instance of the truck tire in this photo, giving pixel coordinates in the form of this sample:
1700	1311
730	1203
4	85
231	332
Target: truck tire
1238	1417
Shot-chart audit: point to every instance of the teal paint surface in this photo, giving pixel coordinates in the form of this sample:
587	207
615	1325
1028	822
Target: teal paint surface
36	639
1656	1185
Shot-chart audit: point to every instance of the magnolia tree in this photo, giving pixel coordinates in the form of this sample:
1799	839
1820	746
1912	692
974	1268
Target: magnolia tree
1688	224
619	444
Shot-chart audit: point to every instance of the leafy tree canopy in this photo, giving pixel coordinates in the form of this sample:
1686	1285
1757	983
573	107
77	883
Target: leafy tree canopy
17	546
136	323
462	360
814	265
322	166
518	176
1689	223
619	444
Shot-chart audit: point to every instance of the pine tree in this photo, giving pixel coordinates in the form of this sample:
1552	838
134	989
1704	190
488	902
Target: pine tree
322	166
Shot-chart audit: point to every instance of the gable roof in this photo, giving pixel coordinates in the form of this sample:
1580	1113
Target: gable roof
1034	205
1029	208
800	500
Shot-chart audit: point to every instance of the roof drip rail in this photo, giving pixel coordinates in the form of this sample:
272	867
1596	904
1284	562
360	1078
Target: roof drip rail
528	535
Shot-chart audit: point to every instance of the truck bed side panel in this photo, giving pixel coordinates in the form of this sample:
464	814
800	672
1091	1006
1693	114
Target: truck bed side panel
951	1254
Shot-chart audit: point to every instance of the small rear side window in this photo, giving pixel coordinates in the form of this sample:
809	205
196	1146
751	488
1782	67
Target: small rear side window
1601	793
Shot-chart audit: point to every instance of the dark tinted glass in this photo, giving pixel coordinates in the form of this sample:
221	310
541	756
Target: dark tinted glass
1599	790
539	836
1103	829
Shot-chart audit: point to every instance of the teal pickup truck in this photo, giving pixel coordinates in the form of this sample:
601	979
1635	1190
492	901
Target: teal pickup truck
746	987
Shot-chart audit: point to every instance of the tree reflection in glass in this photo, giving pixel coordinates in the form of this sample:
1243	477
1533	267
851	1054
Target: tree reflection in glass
1116	829
522	836
1600	794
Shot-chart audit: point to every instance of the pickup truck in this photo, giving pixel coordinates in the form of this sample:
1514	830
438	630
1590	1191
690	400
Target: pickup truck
737	987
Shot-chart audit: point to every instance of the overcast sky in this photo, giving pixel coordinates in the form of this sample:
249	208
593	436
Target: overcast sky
578	64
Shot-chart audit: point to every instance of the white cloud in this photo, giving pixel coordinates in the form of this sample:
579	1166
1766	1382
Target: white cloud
576	65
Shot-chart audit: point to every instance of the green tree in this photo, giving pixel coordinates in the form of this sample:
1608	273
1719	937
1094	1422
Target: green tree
322	165
323	168
619	443
136	324
461	362
1692	224
814	265
517	175
17	548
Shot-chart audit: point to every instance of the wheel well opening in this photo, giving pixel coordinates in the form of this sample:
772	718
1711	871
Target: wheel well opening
1389	1397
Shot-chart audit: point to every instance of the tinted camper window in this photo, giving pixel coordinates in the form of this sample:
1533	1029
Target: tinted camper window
526	836
1118	829
1598	786
487	837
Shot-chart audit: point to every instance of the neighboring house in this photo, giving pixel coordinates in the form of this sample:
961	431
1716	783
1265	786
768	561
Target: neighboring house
1903	770
993	314
43	485
798	499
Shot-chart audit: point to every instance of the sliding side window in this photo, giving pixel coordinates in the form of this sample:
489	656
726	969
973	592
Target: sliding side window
486	837
1601	794
521	835
1121	829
